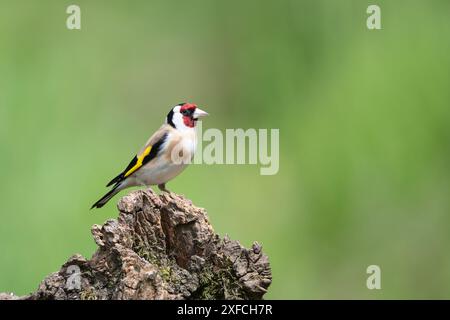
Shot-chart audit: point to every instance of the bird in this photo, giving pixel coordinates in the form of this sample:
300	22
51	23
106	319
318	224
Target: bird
164	155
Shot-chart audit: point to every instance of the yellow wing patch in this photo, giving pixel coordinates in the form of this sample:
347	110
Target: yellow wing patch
139	161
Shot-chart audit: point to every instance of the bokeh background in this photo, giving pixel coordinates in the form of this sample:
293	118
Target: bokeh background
363	116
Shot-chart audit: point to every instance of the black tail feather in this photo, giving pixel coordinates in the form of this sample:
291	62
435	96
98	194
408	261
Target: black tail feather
116	179
100	203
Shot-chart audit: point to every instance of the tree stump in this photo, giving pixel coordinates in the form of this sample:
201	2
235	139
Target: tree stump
160	247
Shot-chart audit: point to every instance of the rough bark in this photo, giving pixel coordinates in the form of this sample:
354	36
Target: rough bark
160	247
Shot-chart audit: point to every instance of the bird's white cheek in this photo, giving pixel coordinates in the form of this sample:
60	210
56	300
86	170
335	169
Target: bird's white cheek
179	123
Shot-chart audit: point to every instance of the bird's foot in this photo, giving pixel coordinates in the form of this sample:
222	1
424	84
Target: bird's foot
162	187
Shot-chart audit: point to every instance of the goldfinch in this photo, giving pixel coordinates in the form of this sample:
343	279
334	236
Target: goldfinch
161	158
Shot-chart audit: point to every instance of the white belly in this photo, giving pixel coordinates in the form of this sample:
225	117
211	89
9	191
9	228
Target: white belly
158	173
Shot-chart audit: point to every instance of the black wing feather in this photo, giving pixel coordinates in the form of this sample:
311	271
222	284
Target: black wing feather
153	153
122	174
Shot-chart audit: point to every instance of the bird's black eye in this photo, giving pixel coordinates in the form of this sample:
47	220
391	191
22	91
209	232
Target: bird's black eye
187	112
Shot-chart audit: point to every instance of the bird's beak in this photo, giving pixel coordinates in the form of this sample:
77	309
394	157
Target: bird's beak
199	113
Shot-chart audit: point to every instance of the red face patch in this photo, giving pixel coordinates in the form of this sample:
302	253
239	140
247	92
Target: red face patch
189	122
187	110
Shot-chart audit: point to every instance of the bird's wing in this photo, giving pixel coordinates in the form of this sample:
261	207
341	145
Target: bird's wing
148	152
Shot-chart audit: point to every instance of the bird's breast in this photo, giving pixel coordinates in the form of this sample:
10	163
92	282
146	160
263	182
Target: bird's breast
180	146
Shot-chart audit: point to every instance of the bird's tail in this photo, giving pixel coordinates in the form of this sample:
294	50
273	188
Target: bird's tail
100	203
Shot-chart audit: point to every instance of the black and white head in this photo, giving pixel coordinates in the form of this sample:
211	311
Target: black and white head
184	116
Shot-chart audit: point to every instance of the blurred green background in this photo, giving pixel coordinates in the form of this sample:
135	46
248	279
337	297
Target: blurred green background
363	116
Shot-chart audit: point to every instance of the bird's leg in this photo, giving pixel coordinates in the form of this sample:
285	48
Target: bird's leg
162	187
